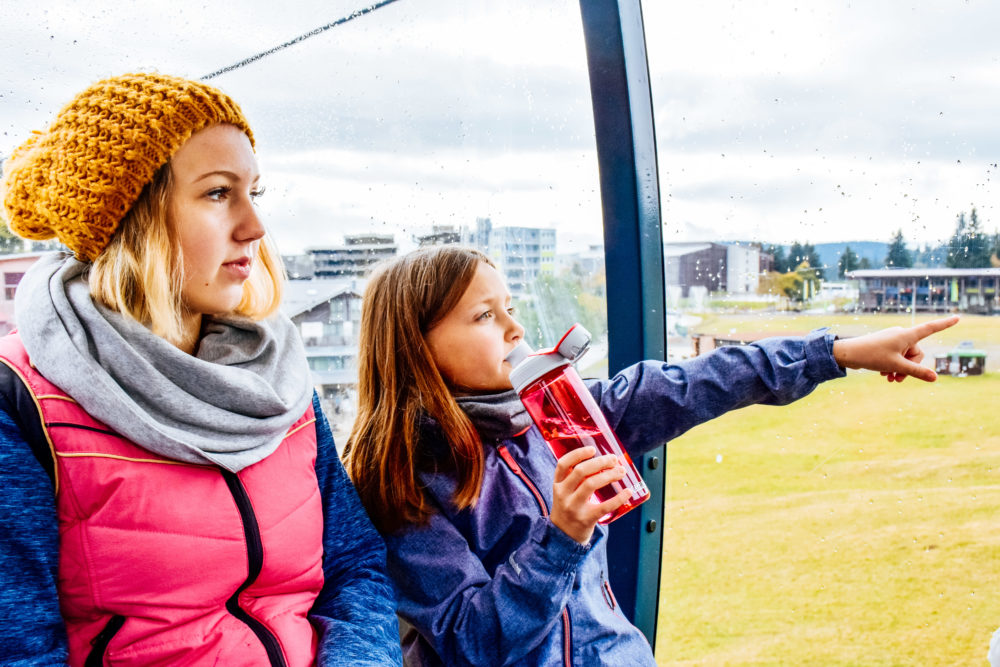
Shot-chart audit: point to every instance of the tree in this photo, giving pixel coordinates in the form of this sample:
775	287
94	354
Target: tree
848	262
806	253
788	285
865	263
9	244
930	256
969	247
554	303
778	253
898	256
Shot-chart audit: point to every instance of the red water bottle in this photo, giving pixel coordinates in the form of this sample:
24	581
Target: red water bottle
566	413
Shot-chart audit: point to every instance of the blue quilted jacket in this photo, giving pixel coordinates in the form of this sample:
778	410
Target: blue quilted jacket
499	584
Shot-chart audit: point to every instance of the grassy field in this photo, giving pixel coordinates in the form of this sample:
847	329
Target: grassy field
859	526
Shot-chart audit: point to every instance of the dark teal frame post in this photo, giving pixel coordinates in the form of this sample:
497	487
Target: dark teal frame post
633	255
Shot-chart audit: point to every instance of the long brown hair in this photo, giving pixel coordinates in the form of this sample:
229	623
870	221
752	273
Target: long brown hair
399	383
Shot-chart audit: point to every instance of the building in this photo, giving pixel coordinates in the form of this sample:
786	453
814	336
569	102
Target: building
12	268
587	262
521	254
716	267
354	258
928	289
298	267
441	235
327	314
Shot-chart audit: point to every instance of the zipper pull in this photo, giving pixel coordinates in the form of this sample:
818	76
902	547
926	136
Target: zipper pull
509	459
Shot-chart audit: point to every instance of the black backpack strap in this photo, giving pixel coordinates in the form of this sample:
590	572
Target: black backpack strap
18	402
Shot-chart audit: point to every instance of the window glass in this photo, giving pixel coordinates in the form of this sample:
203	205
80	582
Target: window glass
797	145
414	123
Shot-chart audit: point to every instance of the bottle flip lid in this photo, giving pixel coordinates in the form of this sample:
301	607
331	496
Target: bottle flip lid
528	366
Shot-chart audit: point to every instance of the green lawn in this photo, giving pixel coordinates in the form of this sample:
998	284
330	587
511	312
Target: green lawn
859	526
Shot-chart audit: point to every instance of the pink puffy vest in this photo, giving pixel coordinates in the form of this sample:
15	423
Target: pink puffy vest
169	563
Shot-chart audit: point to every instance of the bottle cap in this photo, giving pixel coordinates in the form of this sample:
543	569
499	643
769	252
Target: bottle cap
530	367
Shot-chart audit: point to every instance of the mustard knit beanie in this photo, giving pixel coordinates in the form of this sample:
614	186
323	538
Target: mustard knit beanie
77	180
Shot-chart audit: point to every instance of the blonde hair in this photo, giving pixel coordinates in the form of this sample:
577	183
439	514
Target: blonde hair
140	272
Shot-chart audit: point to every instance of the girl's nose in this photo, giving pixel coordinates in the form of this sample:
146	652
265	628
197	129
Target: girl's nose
514	330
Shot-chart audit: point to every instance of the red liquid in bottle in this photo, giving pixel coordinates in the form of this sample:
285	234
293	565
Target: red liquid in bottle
568	417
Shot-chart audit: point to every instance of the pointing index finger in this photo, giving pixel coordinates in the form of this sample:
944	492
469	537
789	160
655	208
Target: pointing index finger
934	326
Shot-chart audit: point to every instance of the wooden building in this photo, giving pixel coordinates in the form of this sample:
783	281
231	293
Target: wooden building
928	290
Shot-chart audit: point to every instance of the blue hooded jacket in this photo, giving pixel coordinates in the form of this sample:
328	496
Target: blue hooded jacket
499	584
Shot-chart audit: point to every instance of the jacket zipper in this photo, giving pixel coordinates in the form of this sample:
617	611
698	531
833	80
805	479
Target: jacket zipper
508	458
255	562
609	596
100	643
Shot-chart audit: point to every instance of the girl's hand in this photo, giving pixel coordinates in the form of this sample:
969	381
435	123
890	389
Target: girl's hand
893	352
578	474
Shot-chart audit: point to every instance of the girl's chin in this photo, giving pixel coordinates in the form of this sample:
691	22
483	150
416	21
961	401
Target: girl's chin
482	391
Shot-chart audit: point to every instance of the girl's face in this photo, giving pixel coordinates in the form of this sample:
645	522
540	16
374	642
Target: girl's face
469	344
211	205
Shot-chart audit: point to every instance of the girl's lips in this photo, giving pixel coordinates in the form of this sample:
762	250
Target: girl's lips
240	267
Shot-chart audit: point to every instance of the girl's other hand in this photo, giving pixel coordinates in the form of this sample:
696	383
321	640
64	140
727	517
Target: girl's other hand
578	474
893	352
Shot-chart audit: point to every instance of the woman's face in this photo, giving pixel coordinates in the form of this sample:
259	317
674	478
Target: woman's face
470	343
211	207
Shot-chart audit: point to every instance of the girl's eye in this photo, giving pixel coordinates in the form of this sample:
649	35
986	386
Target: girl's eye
257	193
510	310
485	316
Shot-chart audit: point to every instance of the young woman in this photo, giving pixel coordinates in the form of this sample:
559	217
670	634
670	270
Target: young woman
170	493
493	544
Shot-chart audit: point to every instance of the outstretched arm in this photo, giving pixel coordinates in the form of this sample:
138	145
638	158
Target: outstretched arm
894	352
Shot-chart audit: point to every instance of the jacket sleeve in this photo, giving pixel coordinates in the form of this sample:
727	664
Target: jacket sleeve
470	617
32	631
652	402
355	611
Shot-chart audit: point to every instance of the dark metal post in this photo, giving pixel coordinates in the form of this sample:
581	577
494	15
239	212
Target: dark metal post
633	247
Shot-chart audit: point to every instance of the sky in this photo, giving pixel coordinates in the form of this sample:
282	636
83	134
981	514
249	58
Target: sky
776	121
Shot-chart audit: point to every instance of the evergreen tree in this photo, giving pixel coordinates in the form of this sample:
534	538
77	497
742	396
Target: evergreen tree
898	256
930	256
806	253
969	247
865	263
778	253
848	262
978	242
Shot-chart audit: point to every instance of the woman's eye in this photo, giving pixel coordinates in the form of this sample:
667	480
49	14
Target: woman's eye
257	193
218	194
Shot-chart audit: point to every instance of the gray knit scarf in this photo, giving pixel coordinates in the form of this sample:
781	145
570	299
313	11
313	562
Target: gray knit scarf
230	404
496	416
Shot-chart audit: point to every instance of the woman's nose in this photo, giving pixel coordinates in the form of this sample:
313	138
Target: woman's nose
250	227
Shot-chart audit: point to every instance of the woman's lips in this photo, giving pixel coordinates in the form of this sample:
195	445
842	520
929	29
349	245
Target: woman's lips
239	268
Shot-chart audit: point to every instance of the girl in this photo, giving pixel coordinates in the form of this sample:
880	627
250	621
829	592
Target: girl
171	493
493	545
